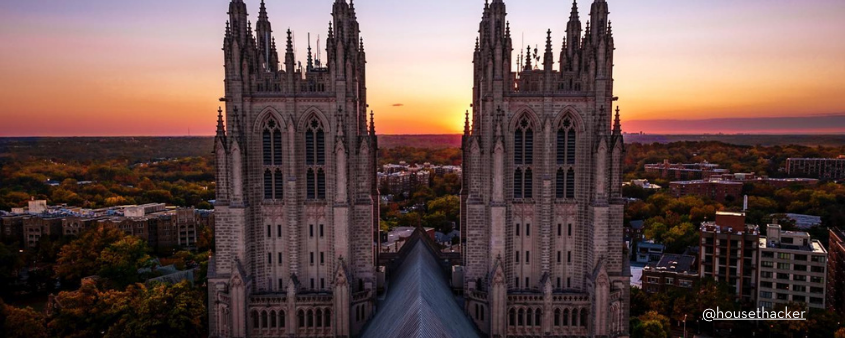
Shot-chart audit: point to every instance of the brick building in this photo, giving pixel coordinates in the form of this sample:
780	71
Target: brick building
681	171
12	230
821	168
729	253
36	227
672	271
836	270
718	190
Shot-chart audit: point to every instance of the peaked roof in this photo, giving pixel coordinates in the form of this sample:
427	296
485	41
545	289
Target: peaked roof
419	302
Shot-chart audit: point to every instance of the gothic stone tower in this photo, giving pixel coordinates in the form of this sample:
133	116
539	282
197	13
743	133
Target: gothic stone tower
296	192
541	199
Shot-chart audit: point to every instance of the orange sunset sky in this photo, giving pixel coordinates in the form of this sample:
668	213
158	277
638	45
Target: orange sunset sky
108	68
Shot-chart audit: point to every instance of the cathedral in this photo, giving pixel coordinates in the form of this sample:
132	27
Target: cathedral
296	210
297	199
541	205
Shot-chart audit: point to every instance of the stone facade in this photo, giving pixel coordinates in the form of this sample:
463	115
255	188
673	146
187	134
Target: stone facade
541	202
297	201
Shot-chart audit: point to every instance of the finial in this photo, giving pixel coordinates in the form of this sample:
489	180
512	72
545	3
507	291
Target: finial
528	58
617	123
372	123
466	123
549	41
310	59
609	28
221	129
290	43
362	44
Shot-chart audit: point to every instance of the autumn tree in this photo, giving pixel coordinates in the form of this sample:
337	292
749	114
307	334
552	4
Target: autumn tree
23	323
80	257
161	310
119	262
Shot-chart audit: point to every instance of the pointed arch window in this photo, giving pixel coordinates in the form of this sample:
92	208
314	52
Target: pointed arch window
565	155
271	143
268	185
523	159
315	159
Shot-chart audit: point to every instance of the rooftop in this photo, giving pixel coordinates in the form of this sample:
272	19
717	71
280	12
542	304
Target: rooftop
674	263
419	302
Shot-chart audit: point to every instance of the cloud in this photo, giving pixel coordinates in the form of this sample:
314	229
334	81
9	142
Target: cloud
398	104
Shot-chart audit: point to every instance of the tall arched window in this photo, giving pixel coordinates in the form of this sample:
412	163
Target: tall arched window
565	317
301	315
565	158
523	159
278	184
557	317
271	141
315	159
583	317
267	145
268	185
282	318
529	318
277	147
511	317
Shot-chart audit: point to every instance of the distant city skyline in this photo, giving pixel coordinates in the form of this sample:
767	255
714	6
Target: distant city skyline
105	68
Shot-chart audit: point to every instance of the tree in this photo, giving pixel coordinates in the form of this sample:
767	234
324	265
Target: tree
79	258
119	262
680	237
447	210
10	262
655	232
655	325
86	312
162	311
23	323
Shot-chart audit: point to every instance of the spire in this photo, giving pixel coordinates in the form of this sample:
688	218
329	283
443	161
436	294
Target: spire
617	123
331	31
508	29
221	129
362	45
372	123
528	58
476	44
228	28
549	41
466	123
573	31
262	12
310	64
290	43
